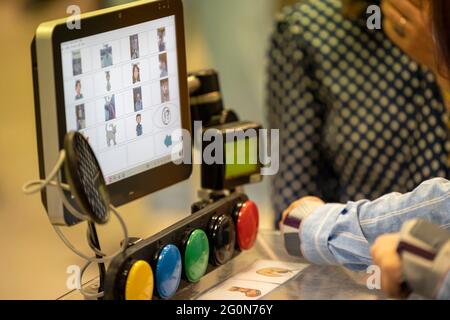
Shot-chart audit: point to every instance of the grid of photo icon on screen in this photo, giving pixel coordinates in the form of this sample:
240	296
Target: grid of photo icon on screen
121	92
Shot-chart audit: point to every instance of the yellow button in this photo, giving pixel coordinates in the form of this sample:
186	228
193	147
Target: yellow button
139	285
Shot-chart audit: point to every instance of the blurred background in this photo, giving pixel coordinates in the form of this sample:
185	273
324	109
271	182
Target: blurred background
231	36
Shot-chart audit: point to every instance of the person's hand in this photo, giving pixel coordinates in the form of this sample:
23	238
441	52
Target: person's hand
384	255
407	24
312	202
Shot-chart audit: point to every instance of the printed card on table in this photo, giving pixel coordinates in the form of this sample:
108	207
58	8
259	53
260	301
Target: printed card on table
259	279
239	290
271	271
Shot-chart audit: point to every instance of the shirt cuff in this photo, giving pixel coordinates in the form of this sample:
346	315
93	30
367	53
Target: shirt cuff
315	232
290	227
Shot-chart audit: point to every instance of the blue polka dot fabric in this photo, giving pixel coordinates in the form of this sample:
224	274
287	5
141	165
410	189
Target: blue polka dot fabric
357	117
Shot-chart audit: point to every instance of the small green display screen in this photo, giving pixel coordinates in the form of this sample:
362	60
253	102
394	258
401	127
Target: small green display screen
241	157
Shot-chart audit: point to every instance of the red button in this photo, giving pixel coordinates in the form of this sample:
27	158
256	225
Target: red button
247	222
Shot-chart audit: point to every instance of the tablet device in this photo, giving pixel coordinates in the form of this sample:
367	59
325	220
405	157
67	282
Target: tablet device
121	81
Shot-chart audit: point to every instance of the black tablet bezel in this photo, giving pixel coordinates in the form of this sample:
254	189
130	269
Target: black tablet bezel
166	175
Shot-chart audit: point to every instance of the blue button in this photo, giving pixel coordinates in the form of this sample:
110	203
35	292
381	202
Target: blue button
168	271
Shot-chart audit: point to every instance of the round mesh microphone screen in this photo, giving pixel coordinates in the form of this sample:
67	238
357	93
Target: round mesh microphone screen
85	178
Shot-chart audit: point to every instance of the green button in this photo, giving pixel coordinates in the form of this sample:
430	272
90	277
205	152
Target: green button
196	255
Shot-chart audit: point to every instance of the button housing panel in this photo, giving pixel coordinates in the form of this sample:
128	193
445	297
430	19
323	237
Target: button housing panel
149	248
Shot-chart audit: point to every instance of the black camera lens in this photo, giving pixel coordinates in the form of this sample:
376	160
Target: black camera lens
209	82
206	100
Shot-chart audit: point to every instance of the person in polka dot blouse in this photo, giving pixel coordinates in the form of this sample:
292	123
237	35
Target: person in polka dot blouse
406	236
358	116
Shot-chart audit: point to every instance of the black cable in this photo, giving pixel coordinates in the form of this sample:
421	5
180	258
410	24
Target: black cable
101	266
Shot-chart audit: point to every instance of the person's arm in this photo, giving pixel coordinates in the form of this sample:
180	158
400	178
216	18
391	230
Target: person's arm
295	108
417	37
341	234
415	260
424	249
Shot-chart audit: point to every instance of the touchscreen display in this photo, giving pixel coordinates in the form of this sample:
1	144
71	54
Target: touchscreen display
121	91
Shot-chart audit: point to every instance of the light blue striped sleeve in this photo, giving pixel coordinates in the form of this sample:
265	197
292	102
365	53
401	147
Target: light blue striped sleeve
341	234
